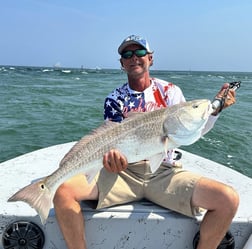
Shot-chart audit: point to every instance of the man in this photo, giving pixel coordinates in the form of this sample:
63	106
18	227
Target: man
120	183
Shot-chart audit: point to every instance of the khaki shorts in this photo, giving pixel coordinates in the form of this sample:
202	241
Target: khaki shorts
169	187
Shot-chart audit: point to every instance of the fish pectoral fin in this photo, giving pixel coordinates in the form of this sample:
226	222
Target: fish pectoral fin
156	160
90	175
165	141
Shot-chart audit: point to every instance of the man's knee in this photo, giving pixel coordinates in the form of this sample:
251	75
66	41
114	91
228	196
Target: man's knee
213	195
231	199
74	190
63	193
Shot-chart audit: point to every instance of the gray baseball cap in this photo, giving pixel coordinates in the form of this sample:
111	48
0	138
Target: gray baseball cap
134	39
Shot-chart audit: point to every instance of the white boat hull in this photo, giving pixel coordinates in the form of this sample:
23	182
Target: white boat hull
135	225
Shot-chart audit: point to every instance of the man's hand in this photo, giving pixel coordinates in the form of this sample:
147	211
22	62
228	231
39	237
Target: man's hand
227	95
114	161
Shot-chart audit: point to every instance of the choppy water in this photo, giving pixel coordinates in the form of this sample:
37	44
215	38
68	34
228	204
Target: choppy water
40	107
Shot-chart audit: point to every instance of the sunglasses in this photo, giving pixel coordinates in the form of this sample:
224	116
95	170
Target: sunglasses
138	52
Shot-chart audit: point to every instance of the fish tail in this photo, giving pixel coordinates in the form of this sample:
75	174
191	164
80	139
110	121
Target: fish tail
38	196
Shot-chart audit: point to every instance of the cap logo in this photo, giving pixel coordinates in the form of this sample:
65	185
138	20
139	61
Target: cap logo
134	39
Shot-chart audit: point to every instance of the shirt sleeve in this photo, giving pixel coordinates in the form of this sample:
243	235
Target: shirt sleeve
175	96
112	110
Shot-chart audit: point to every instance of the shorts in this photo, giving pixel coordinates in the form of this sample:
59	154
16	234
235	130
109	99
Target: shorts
169	187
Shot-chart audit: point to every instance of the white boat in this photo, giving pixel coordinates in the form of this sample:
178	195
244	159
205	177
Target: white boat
66	71
133	226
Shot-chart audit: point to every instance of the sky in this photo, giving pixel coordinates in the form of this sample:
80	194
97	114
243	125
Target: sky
192	35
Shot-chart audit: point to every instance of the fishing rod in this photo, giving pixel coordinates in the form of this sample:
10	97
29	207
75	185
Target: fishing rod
218	103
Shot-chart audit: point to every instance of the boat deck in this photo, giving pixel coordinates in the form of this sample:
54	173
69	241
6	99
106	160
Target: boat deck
135	225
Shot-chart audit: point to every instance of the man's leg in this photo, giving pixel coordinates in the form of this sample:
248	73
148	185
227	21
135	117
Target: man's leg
68	210
222	202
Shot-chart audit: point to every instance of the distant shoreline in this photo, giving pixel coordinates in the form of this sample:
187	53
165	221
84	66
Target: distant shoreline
97	68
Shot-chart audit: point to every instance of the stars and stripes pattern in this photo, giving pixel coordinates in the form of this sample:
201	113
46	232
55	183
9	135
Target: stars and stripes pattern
123	100
120	102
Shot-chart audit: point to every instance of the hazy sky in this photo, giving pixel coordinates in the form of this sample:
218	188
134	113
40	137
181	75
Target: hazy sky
185	35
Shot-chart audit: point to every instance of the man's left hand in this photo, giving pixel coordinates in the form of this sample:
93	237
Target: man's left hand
228	95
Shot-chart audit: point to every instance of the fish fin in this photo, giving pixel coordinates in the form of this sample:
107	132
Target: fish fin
165	141
156	160
134	114
38	196
90	176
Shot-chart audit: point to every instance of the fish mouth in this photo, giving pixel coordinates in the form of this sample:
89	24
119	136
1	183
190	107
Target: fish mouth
208	111
210	108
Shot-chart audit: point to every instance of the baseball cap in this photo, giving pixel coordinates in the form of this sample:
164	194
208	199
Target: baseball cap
134	39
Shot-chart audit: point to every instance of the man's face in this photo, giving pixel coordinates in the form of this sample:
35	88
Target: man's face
136	65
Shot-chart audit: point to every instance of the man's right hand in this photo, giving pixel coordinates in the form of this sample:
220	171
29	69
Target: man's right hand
114	161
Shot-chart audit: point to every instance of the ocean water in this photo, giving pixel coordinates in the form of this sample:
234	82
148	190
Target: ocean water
40	107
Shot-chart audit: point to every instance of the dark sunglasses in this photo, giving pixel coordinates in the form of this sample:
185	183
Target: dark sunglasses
138	52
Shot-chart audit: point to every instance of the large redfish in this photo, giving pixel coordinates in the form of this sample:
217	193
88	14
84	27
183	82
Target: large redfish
147	135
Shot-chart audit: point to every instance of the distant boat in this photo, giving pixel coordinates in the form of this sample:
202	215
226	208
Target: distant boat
47	70
66	71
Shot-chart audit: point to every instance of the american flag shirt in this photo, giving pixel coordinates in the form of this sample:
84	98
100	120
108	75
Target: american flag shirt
158	95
